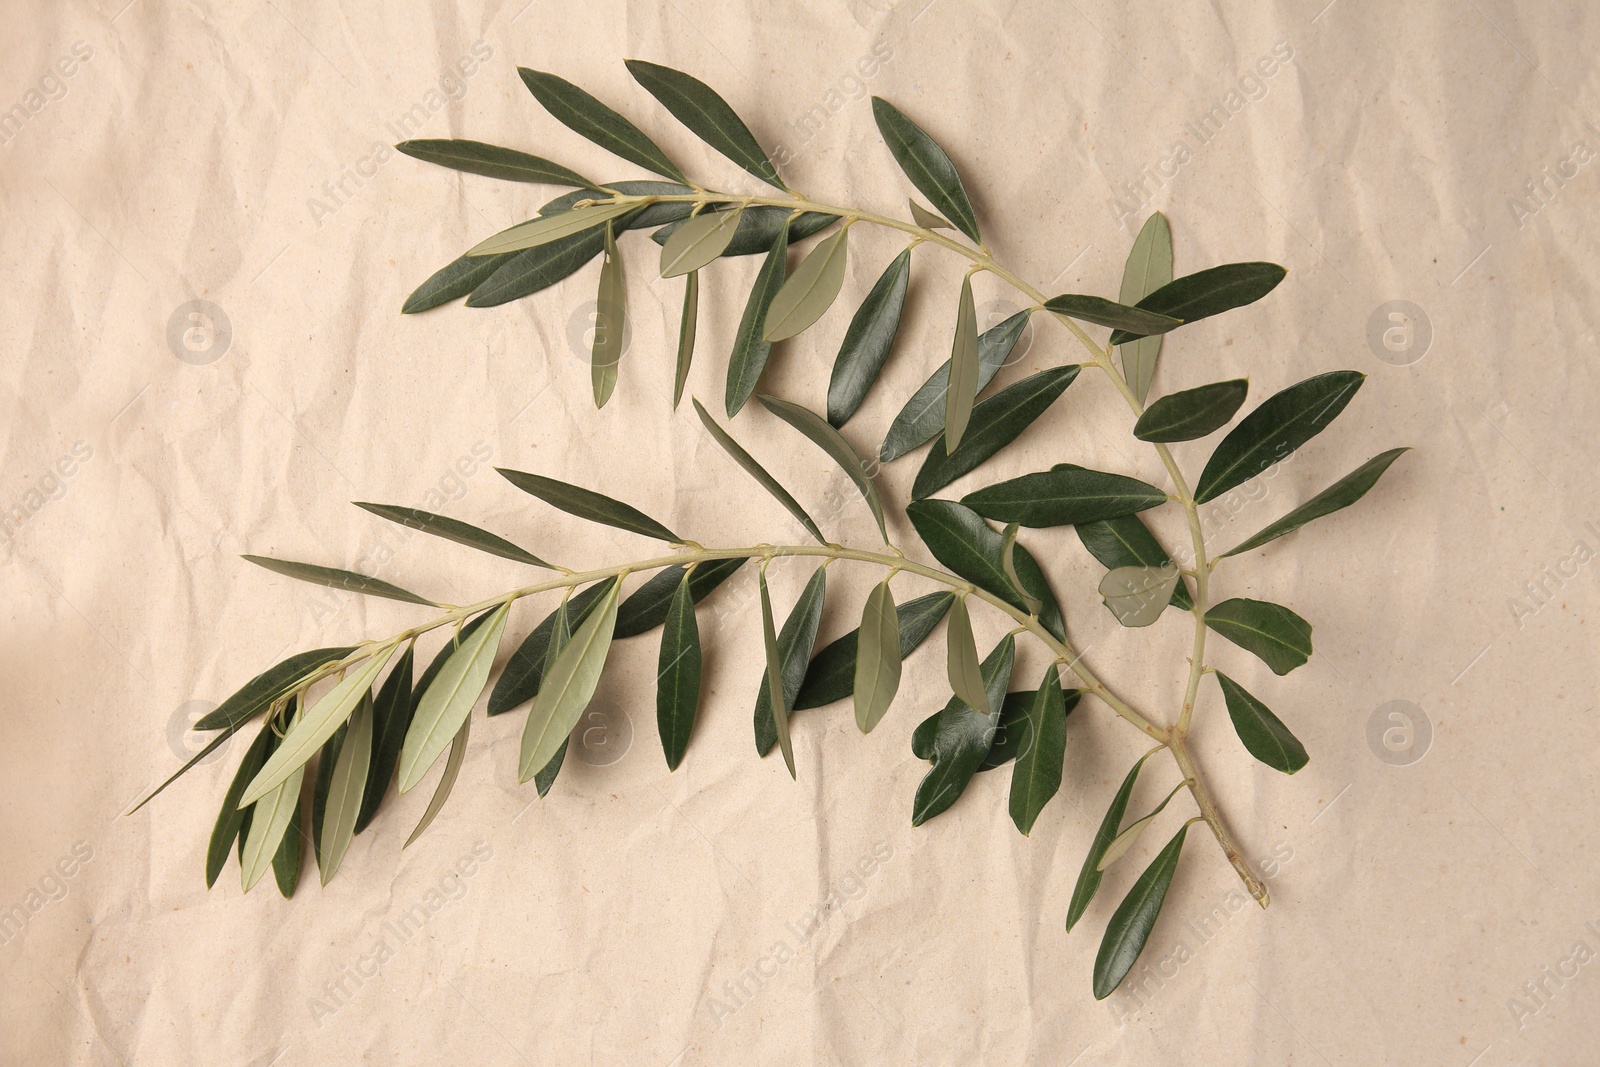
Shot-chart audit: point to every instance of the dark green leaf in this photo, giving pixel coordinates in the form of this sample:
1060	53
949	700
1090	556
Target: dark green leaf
1263	733
1277	635
1037	775
455	280
338	579
795	641
259	692
560	635
963	542
698	241
825	437
1128	542
922	419
447	782
753	467
610	322
759	228
1063	497
878	657
868	340
927	165
230	818
1341	494
1192	413
585	115
707	115
493	161
1149	267
523	273
650	604
777	699
1134	918
1014	735
1282	423
831	673
1209	292
211	746
587	504
686	331
1089	876
810	290
287	860
678	674
391	719
963	390
461	533
1103	312
750	349
996	422
524	671
547	777
963	738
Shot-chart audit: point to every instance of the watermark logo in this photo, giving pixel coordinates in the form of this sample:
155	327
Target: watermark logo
1399	733
1399	333
604	735
199	332
585	327
181	737
992	313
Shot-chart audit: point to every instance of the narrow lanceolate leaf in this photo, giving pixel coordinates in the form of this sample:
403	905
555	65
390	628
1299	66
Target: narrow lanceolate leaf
211	746
1128	542
453	281
750	349
686	331
1192	413
810	290
963	390
447	781
963	738
1149	267
1089	877
1063	497
1138	595
1277	635
493	161
1008	563
449	699
587	504
583	114
270	819
610	323
286	862
699	241
524	672
1282	423
868	340
795	642
1209	292
1124	842
391	719
831	675
966	677
548	228
927	165
1263	733
1133	920
760	227
960	539
560	637
231	817
777	699
567	688
996	423
462	533
520	274
1341	494
754	468
345	790
927	219
1103	312
922	418
315	726
825	437
1037	775
649	605
707	115
339	579
877	657
258	693
678	674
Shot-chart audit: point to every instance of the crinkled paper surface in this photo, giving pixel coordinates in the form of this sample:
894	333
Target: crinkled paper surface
207	241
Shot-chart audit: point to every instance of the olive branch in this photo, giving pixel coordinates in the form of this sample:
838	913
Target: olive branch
356	735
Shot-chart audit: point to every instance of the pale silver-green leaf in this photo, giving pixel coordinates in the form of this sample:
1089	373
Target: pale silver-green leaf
610	322
1138	595
877	657
547	228
699	241
1123	842
449	699
966	674
810	290
568	686
1149	267
345	789
780	706
927	219
963	388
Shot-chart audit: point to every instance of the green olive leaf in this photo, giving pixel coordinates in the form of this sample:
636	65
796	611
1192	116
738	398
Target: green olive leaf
455	280
1089	876
960	539
825	437
831	674
346	786
777	699
492	161
759	228
1128	542
391	719
927	165
868	341
1341	494
965	674
877	657
521	274
1277	635
524	671
922	418
1282	423
649	605
547	228
1208	292
449	699
963	390
810	290
349	581
678	673
698	241
686	331
1138	595
1263	734
996	422
1134	918
707	115
963	738
753	467
795	641
1123	842
447	781
610	323
750	348
568	686
258	693
927	219
587	504
230	819
583	114
462	533
273	812
1063	497
1192	413
1149	267
1037	775
1103	312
